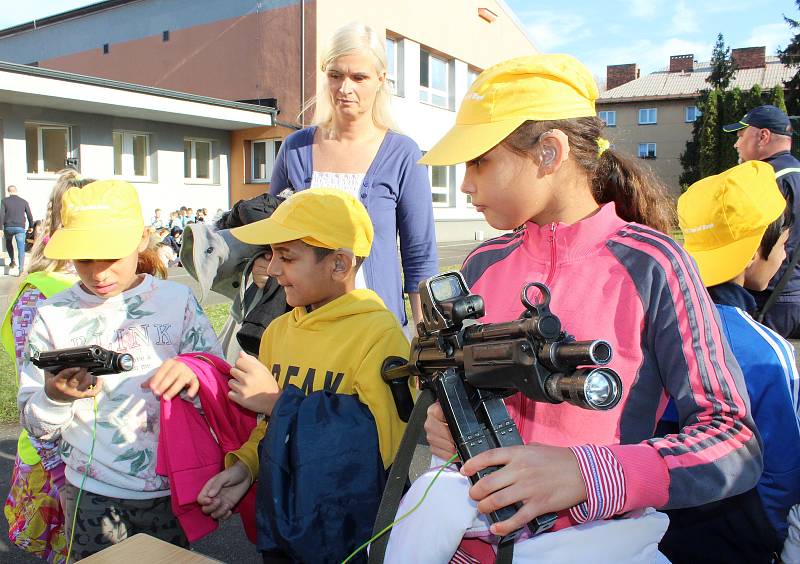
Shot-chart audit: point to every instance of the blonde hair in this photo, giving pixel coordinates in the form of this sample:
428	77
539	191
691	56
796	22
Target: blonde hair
354	37
67	178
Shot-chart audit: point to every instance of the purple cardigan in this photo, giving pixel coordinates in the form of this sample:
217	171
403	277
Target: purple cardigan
397	195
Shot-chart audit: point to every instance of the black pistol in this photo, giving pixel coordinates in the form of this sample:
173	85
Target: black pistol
95	359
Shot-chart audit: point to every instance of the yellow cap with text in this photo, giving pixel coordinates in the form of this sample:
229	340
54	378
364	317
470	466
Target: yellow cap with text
103	220
503	97
723	218
322	217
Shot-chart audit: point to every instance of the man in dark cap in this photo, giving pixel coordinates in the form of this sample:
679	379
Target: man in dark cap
765	134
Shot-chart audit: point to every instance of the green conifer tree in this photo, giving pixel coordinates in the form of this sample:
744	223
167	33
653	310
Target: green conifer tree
709	136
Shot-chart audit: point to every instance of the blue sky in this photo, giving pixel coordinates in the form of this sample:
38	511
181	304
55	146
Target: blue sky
646	32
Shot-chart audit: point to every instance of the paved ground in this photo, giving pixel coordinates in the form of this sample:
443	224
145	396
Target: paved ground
228	544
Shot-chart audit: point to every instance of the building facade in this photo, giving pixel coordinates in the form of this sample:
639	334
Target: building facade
173	147
268	52
652	116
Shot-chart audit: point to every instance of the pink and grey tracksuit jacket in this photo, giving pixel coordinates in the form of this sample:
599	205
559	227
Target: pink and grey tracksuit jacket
636	288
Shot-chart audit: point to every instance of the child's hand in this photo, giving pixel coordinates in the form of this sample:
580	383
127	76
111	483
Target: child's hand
438	434
252	385
222	492
172	377
260	266
543	478
71	384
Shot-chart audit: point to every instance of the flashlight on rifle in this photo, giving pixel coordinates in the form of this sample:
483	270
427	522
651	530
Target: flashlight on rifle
470	367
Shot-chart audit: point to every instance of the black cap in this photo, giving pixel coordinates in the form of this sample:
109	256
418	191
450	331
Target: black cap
763	117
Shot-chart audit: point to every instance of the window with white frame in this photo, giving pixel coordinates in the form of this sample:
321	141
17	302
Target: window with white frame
394	65
648	116
132	154
198	163
47	148
472	74
434	78
647	150
692	113
609	117
263	159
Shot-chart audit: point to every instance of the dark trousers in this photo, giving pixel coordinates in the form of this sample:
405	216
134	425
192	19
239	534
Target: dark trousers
728	531
104	521
15	236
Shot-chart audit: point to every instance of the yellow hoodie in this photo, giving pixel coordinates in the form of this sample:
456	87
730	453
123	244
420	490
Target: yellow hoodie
339	347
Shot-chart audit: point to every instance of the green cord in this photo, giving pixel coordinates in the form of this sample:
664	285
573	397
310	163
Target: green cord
410	511
83	481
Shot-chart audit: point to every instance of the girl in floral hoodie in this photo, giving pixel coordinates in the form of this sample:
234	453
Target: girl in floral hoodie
108	426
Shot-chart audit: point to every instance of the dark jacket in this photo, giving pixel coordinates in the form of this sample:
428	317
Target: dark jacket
789	183
320	478
13	212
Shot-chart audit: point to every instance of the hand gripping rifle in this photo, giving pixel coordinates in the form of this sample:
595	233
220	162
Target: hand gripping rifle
471	367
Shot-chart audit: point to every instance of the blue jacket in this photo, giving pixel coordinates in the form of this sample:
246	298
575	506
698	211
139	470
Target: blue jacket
321	477
397	195
789	183
770	373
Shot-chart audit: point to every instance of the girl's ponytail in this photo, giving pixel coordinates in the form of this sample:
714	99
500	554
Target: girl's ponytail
637	194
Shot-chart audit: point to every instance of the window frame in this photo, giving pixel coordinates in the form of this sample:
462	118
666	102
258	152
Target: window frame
127	161
613	113
647	154
429	92
393	79
275	143
655	116
697	114
472	75
193	178
40	172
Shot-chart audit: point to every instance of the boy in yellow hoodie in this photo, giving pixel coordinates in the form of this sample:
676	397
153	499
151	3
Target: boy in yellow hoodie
333	427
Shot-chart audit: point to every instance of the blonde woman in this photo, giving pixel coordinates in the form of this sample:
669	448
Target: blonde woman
354	145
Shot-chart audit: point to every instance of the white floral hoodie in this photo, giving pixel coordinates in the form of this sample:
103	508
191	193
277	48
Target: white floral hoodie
154	321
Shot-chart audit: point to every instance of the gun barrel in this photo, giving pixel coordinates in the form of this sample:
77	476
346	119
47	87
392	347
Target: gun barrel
569	355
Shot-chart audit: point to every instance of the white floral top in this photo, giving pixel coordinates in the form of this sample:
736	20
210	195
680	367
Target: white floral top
154	321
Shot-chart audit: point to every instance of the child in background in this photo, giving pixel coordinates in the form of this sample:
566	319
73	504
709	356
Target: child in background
33	507
112	490
733	226
318	374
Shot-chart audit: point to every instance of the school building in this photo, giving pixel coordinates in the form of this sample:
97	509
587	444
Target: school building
175	148
268	52
652	116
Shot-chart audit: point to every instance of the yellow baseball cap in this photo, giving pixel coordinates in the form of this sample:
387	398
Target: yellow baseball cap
724	217
102	220
503	97
322	217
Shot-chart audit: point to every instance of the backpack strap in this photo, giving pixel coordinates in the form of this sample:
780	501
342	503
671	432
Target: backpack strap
398	476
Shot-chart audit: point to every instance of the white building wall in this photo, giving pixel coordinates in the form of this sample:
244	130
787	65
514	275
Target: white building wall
426	124
92	144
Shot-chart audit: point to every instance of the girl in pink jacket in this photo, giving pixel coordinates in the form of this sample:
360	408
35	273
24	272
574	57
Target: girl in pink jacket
590	224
